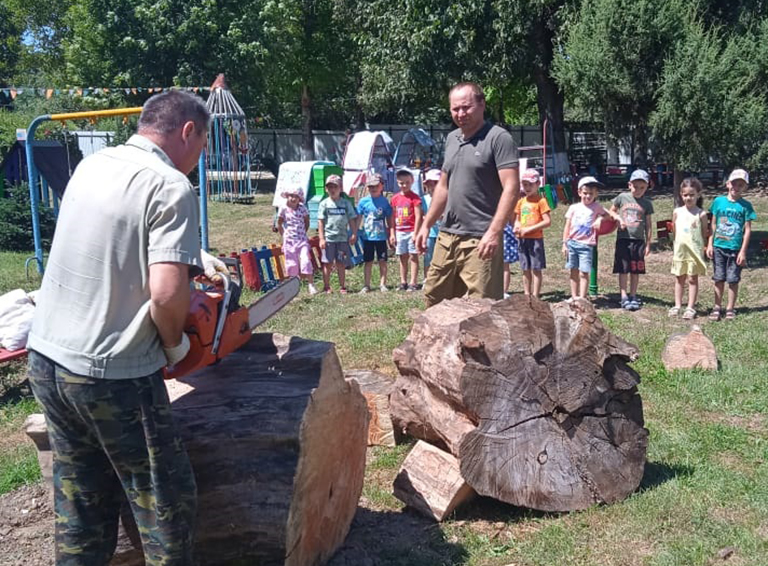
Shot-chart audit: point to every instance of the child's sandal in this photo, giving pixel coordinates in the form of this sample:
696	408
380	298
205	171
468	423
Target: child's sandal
689	314
730	315
715	314
674	311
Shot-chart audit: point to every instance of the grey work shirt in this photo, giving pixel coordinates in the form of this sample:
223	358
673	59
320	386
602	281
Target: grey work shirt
474	187
124	209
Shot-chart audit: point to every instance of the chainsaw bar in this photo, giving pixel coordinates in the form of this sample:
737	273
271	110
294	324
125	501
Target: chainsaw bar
272	301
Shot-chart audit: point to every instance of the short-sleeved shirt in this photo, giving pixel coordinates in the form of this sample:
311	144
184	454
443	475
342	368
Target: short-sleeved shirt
634	212
730	219
336	216
474	187
294	225
531	211
404	207
426	202
124	209
582	218
375	212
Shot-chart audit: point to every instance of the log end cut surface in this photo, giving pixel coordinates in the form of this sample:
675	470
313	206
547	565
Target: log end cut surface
277	439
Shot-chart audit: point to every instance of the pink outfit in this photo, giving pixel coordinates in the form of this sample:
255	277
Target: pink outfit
295	243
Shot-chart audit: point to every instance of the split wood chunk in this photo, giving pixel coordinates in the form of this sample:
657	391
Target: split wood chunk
689	350
376	388
277	439
552	418
430	481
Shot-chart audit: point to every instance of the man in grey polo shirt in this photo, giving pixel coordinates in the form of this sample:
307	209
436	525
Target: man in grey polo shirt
110	316
477	192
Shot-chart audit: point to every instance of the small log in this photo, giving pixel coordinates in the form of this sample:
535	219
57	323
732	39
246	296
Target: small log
277	440
689	350
548	408
430	482
376	388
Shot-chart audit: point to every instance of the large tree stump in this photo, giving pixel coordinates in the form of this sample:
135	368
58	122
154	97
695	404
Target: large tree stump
689	350
535	400
430	481
277	440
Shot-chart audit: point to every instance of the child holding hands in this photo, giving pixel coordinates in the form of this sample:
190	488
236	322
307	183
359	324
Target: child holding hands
690	227
580	235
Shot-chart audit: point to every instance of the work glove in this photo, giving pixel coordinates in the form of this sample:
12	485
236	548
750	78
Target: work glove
177	353
212	266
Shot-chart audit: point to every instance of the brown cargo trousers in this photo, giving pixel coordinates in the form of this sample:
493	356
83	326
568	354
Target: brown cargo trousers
457	269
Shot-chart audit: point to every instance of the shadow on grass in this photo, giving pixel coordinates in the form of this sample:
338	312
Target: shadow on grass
658	473
388	538
13	387
493	510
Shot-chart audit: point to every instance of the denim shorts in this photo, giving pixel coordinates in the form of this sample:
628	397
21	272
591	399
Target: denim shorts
579	256
726	268
405	244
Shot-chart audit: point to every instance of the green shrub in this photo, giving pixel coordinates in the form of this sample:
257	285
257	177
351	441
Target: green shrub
16	222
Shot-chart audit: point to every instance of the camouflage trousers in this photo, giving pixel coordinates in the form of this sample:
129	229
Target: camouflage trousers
114	440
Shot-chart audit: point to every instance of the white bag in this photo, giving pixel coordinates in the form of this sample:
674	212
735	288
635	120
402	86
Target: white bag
16	313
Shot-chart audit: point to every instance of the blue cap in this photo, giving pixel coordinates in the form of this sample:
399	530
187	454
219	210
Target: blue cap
640	175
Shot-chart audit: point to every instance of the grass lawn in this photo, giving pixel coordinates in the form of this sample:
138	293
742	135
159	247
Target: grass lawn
704	496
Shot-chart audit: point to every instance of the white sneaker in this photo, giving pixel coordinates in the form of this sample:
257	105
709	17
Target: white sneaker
364	290
506	295
312	289
383	289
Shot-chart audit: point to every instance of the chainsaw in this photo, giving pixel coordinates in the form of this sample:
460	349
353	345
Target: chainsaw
217	325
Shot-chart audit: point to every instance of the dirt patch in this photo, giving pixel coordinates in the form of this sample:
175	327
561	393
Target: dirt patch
755	423
26	527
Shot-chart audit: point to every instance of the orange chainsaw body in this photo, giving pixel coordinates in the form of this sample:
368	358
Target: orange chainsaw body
200	326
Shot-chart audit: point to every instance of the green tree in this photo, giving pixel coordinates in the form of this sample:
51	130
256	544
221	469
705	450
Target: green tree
10	41
711	101
310	60
612	60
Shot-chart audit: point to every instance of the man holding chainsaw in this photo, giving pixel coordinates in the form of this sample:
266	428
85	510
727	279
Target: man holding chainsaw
110	317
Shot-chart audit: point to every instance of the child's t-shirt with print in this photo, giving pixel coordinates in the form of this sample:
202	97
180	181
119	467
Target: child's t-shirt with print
582	218
405	211
293	223
730	219
634	212
336	216
375	212
531	211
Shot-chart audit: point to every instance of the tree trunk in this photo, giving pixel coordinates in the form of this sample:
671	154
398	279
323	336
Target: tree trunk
277	440
307	138
677	179
549	407
549	98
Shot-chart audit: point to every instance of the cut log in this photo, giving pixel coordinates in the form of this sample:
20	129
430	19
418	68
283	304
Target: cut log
430	482
376	388
689	350
551	418
277	440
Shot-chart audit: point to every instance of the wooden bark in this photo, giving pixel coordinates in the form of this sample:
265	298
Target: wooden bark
376	388
430	481
689	350
277	481
556	421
